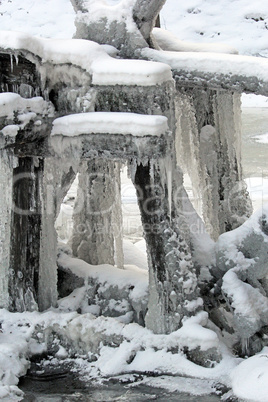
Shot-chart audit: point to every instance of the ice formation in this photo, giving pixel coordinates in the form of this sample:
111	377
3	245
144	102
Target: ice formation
100	109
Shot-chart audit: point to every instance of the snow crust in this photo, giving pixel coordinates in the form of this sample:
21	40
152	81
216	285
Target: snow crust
110	123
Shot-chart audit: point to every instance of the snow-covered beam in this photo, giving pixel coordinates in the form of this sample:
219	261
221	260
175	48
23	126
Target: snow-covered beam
80	62
111	135
213	70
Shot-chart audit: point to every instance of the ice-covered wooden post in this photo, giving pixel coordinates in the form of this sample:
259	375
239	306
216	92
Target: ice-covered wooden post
172	278
23	135
93	229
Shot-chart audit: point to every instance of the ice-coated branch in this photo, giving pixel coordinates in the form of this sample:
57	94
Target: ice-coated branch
145	13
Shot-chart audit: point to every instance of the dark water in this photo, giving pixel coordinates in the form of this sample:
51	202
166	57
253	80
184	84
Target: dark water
61	384
70	388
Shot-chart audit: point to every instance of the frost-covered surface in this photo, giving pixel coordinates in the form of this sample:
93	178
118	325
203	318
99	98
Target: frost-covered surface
6	183
110	123
106	290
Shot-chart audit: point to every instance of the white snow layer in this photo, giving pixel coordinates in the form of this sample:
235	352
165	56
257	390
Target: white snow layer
168	41
110	123
90	56
213	63
241	24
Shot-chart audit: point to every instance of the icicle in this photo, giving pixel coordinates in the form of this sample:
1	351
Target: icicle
245	346
152	165
169	185
166	179
16	59
11	63
132	167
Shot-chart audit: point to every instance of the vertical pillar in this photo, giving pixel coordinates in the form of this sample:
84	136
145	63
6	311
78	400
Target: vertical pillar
208	144
93	236
172	279
6	186
25	235
58	177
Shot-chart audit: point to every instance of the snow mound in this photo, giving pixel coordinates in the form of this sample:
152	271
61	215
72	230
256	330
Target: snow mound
250	378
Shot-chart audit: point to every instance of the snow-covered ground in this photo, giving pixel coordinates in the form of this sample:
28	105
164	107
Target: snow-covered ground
241	24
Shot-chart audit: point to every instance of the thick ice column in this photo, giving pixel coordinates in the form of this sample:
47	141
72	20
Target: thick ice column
172	279
25	234
47	293
208	145
58	177
235	204
6	185
93	236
